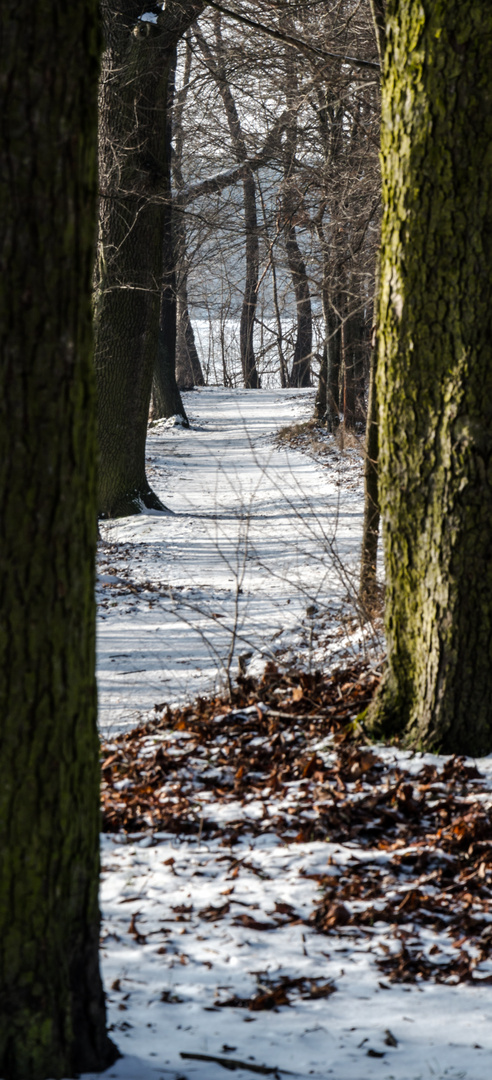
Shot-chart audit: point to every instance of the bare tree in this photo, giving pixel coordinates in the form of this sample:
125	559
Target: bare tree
134	174
218	68
188	367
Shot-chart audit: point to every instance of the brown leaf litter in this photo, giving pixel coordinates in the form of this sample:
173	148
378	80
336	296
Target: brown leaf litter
419	842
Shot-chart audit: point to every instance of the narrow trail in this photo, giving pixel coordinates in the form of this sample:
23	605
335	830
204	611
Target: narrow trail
277	898
253	545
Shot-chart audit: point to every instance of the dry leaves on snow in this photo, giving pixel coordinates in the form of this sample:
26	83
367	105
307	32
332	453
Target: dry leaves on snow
286	757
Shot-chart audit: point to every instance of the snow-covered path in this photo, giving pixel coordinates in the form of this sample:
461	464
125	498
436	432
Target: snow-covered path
248	564
258	556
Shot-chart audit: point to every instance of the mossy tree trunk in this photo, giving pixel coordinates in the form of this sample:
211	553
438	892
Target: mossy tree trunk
435	374
52	1010
134	212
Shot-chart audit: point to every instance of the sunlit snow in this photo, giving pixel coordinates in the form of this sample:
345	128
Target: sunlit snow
258	561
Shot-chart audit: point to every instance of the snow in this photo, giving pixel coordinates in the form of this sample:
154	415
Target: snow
259	534
166	987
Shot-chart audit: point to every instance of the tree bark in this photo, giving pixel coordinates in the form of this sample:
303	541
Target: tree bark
321	392
435	375
134	180
250	296
334	345
188	367
327	406
378	11
166	396
292	206
369	552
252	258
301	365
353	333
52	1009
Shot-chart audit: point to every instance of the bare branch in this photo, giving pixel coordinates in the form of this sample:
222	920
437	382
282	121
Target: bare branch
302	46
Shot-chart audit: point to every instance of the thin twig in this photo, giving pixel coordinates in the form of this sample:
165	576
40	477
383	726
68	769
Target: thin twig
303	46
236	1063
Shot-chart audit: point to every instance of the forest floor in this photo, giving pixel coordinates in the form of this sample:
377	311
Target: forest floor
262	865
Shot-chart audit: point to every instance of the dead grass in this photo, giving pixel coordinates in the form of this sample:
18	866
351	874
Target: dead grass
349	440
312	437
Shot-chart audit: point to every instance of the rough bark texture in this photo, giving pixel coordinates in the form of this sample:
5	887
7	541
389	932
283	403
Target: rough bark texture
334	344
369	552
134	189
188	367
321	395
301	365
250	296
166	397
353	347
52	1011
435	374
292	209
327	406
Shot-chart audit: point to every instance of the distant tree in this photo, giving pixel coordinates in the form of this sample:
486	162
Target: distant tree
52	1010
134	326
292	211
435	375
319	194
166	400
188	367
368	590
217	64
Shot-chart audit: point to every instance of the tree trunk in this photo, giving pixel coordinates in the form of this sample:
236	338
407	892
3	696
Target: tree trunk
321	392
301	365
369	551
188	367
378	11
435	375
334	348
327	407
166	396
250	295
134	179
52	1010
353	331
292	206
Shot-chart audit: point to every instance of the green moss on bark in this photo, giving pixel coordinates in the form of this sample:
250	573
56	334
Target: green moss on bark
435	374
